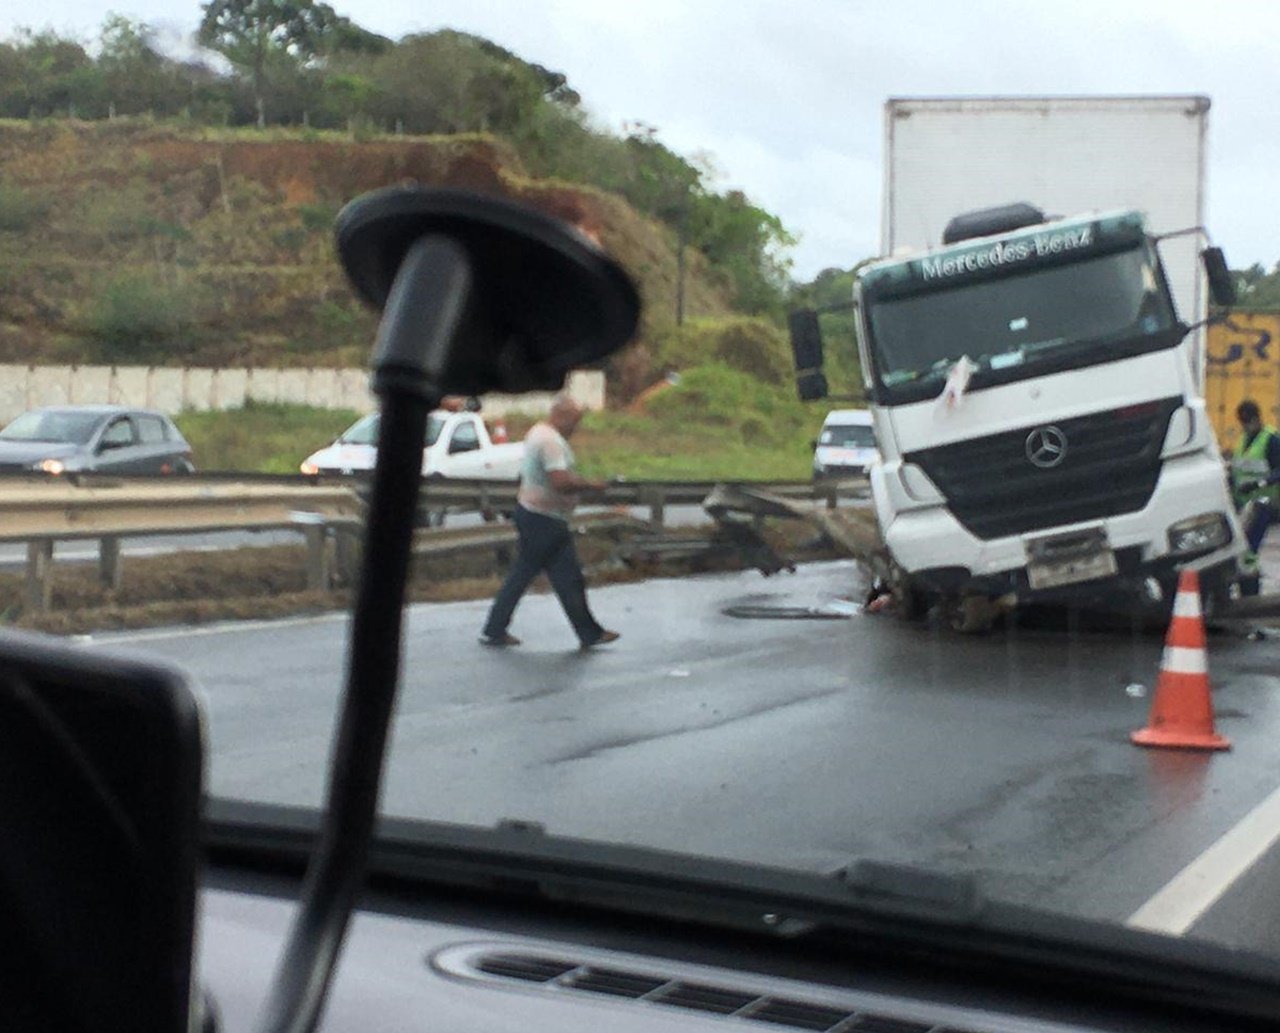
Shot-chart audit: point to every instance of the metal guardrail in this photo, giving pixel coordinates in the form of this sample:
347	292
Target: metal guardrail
41	514
42	510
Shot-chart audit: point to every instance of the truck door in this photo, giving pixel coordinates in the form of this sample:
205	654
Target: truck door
463	455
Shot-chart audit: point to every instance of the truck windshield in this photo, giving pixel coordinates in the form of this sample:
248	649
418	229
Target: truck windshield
848	435
365	432
1010	326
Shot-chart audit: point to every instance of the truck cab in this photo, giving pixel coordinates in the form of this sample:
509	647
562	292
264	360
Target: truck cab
1039	415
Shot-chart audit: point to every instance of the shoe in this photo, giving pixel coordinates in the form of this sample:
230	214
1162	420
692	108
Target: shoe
605	638
505	639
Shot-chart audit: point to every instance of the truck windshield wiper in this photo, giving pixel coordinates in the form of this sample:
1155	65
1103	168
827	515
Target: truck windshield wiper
939	368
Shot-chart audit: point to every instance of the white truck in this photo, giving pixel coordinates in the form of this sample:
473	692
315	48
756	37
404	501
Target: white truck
458	444
846	445
1036	380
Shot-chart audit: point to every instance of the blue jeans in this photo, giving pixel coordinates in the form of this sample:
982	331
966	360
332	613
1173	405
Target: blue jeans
546	544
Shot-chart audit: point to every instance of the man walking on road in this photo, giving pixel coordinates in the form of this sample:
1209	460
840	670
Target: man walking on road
1255	481
544	503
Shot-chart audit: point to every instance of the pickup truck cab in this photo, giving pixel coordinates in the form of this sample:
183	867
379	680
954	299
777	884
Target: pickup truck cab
458	444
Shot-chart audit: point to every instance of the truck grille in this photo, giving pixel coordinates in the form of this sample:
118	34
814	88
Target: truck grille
1109	466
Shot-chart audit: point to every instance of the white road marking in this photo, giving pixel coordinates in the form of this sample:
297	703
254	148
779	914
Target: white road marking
1202	883
221	628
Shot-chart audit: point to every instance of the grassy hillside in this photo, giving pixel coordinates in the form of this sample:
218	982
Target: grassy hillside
715	423
127	241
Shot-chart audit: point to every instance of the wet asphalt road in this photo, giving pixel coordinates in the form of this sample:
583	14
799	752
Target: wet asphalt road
792	742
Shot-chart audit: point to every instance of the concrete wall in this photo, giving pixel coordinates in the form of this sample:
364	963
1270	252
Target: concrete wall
173	390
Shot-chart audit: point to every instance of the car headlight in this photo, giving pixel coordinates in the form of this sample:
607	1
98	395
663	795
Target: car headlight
1199	533
53	466
308	467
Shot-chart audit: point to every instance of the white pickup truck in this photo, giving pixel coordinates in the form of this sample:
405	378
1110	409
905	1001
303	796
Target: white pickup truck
458	444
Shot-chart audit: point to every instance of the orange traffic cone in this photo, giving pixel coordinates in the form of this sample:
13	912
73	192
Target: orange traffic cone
499	435
1182	712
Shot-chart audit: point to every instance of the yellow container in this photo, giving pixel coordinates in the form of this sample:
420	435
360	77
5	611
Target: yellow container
1243	361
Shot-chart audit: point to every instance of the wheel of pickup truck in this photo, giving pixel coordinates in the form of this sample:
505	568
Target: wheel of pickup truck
429	515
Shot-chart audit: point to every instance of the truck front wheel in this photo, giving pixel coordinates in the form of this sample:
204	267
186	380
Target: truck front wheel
910	600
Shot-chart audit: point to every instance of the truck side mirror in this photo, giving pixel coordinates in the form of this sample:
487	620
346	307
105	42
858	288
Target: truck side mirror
101	761
1222	285
806	349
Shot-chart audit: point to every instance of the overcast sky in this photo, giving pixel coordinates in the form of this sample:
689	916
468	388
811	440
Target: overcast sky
787	95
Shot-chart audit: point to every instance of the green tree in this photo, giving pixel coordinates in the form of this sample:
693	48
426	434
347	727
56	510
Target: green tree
42	74
749	244
1256	288
271	39
452	82
136	78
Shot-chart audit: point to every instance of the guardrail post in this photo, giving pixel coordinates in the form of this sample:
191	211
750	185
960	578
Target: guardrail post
38	591
110	569
657	506
346	549
317	557
833	495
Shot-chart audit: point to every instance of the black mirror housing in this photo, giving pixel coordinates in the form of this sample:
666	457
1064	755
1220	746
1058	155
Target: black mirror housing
1222	285
100	797
806	339
543	298
812	386
806	349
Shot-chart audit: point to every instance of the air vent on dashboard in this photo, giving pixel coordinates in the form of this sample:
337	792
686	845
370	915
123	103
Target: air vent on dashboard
787	1012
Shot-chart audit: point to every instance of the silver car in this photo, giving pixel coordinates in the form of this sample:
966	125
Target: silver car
94	439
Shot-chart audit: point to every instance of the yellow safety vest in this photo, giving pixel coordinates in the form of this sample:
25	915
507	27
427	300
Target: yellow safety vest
1250	464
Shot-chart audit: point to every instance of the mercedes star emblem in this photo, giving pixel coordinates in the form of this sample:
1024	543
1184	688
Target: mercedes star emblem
1046	447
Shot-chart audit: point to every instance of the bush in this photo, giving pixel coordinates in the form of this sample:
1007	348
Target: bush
751	346
736	404
268	437
136	319
20	209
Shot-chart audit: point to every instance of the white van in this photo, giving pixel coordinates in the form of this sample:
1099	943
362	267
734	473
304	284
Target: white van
847	445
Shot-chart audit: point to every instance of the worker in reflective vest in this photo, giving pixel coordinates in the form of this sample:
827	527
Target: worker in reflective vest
1255	481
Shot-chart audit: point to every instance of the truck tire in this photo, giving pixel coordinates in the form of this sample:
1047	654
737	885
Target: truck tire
910	601
1215	592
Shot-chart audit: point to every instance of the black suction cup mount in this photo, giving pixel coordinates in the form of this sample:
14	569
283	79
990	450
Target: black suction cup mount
542	299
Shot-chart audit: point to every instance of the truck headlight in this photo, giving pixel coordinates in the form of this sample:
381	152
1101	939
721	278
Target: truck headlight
53	466
309	468
1199	533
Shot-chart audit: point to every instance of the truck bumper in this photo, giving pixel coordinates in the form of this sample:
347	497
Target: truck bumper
940	554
